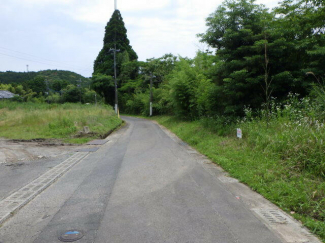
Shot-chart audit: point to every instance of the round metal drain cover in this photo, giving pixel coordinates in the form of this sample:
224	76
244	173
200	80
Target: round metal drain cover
71	235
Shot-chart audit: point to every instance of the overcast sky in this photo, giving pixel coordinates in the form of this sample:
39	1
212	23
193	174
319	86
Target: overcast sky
68	34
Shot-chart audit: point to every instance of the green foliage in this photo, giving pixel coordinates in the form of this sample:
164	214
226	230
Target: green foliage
10	77
294	133
115	37
191	88
7	87
135	93
90	96
162	103
220	125
104	85
183	90
160	67
126	59
259	160
23	94
138	104
50	86
258	51
58	85
54	98
318	93
129	71
294	136
301	24
62	127
248	54
72	94
37	84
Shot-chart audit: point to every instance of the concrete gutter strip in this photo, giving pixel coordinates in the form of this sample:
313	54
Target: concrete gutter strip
20	198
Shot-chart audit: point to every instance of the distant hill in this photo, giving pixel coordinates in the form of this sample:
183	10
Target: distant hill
10	77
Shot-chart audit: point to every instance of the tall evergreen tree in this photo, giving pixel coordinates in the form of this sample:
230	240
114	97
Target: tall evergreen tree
115	37
115	34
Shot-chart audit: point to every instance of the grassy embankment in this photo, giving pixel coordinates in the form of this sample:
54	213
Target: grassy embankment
283	160
30	121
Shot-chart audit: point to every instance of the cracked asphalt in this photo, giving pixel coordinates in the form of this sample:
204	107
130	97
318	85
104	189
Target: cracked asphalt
145	185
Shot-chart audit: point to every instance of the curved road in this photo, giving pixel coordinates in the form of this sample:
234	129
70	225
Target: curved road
145	185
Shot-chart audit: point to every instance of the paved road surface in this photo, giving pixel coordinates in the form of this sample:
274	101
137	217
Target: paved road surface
145	185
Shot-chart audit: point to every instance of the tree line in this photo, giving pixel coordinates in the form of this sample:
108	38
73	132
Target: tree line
253	55
52	86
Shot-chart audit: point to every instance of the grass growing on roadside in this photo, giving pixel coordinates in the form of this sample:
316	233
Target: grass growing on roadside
280	159
30	121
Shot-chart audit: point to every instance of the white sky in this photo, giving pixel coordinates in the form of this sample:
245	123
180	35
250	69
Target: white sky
68	34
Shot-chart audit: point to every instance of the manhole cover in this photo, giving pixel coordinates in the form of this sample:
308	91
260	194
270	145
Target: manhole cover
272	216
71	235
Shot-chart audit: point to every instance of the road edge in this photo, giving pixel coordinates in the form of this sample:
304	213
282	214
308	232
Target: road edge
284	225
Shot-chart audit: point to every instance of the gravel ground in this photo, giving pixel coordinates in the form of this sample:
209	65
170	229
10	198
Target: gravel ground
14	152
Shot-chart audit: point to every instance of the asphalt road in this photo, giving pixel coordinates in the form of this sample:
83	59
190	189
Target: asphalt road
145	186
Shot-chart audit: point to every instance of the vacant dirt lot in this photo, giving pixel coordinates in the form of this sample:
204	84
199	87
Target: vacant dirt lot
17	151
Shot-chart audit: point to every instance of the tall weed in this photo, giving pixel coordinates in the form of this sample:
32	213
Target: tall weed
265	159
291	131
30	120
221	125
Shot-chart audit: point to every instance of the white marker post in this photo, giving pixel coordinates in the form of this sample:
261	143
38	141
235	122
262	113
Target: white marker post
150	108
239	133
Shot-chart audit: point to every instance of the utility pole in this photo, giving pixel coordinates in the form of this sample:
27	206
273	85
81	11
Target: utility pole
151	90
27	70
151	76
115	78
115	81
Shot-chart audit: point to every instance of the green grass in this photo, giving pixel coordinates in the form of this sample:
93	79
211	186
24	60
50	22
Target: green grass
29	121
267	160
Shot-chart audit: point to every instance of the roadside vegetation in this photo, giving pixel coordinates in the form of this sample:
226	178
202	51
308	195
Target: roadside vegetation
32	121
265	75
281	154
260	70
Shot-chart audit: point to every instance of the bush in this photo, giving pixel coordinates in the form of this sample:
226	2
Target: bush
54	98
140	104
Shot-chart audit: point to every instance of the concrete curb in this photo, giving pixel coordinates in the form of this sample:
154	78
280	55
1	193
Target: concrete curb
10	205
